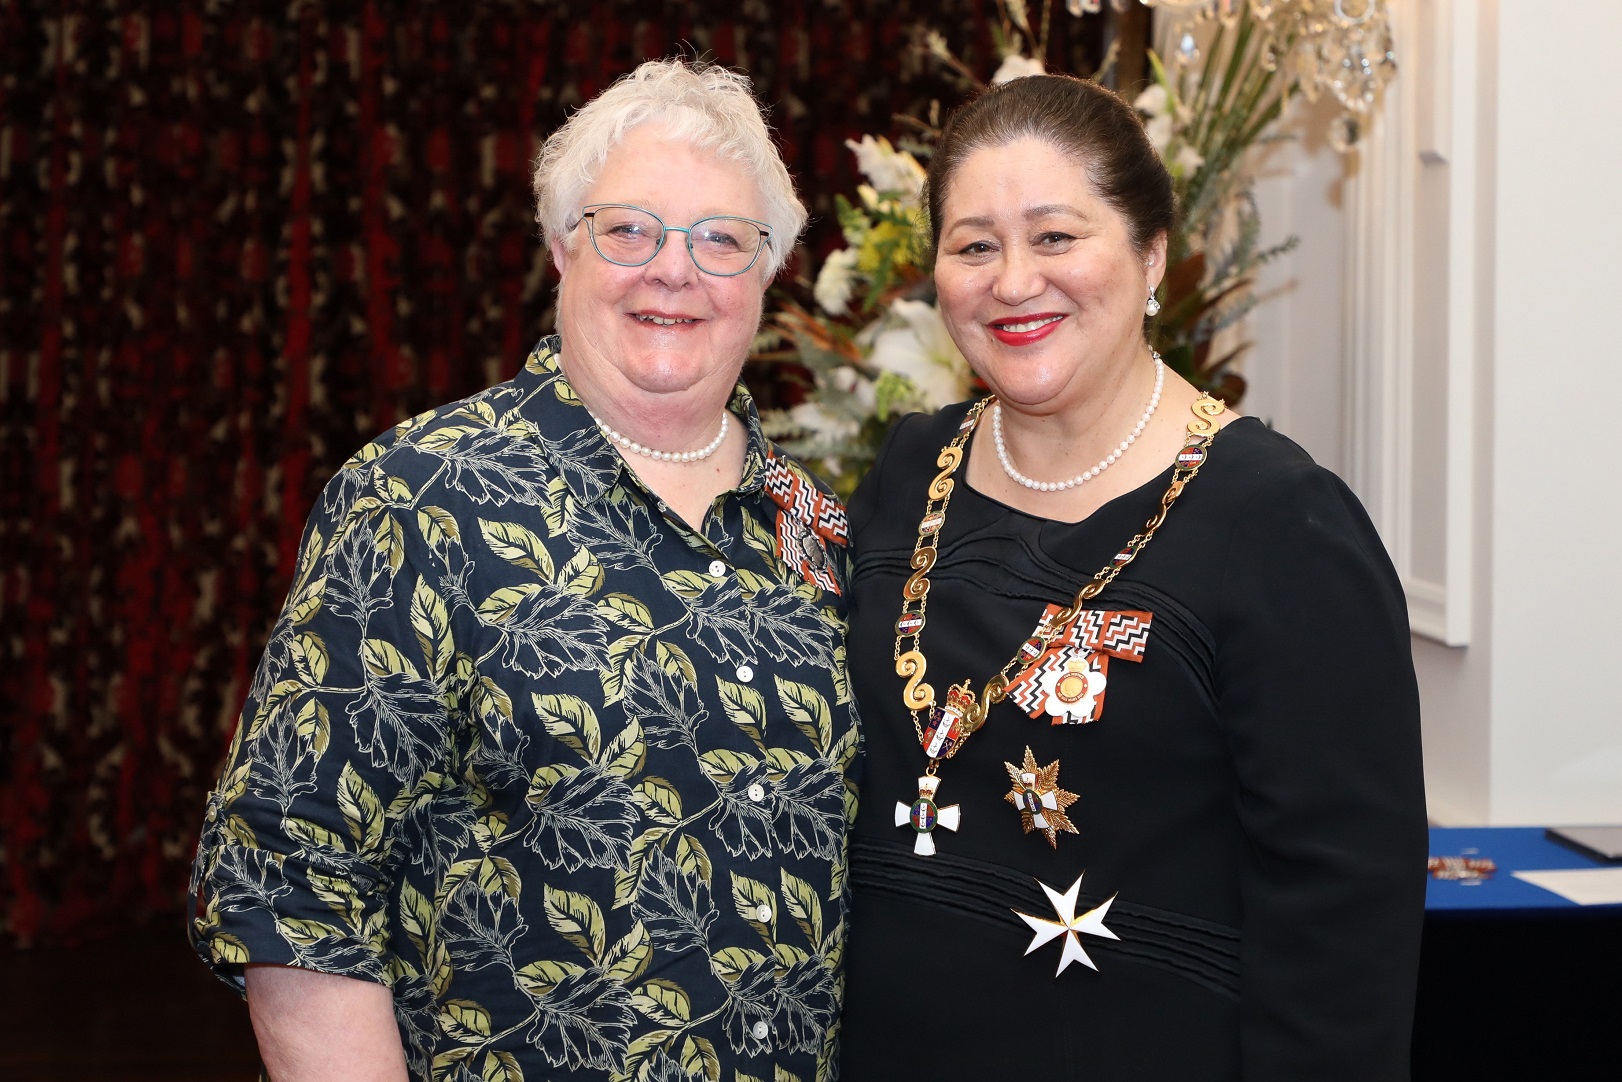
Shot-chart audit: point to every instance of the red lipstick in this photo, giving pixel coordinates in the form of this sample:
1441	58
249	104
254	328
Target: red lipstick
1000	328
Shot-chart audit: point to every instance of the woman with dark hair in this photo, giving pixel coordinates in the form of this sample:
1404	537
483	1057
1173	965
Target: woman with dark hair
1143	792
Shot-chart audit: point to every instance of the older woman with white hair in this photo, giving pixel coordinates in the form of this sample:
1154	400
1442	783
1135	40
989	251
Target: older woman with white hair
547	766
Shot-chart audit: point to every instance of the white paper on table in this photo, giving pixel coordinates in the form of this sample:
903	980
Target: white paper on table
1585	886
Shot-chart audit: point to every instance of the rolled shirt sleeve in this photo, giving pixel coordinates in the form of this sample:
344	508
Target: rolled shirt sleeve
345	724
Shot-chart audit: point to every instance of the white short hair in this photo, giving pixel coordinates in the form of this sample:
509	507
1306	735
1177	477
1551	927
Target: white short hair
705	105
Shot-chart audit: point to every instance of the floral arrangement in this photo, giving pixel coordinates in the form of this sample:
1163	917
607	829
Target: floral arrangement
874	344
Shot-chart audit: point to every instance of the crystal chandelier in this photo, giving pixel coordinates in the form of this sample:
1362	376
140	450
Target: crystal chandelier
1340	46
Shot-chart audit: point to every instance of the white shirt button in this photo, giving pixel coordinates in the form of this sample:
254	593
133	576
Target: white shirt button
763	913
718	568
745	673
757	792
760	1030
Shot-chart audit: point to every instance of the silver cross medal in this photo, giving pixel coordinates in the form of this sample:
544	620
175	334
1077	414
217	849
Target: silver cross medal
923	816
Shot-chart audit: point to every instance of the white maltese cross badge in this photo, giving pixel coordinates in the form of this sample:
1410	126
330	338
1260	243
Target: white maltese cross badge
1068	925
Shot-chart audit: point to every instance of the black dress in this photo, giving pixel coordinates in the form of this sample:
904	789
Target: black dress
1251	792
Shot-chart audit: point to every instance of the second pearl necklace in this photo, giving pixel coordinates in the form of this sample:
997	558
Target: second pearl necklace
1081	478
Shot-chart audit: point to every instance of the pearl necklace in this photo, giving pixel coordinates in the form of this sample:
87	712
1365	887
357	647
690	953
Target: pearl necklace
664	456
1081	478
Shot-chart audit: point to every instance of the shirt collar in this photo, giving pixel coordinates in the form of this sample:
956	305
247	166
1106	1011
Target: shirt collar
589	464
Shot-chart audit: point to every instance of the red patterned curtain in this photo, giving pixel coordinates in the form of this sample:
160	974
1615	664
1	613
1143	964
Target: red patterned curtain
237	240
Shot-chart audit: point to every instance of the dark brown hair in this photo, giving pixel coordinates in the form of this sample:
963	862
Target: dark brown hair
1083	120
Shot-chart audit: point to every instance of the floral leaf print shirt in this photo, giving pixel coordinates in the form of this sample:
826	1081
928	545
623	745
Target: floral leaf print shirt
570	777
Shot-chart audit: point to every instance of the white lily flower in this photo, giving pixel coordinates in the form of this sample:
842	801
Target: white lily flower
836	281
889	169
1188	159
912	341
1014	67
811	417
1154	101
1159	130
855	384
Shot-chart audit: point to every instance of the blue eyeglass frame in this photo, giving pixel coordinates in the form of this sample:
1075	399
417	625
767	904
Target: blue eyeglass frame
589	211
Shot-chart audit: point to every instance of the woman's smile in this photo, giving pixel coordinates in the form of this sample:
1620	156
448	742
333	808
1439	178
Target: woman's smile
665	322
662	320
1023	330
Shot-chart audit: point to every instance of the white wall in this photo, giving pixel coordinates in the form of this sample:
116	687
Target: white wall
1556	621
1296	367
1445	339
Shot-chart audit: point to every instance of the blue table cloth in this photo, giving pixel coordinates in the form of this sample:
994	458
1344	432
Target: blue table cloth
1514	849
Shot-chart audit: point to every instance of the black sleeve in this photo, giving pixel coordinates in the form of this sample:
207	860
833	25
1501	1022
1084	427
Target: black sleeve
1320	709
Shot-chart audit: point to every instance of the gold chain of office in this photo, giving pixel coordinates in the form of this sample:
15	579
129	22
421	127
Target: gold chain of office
910	663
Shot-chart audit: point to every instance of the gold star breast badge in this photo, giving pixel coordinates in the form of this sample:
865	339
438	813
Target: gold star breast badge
1040	801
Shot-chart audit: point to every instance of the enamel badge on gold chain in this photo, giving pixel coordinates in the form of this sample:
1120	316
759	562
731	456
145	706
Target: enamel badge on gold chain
924	815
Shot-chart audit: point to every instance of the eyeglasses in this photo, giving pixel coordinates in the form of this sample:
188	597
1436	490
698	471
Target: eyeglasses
629	236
